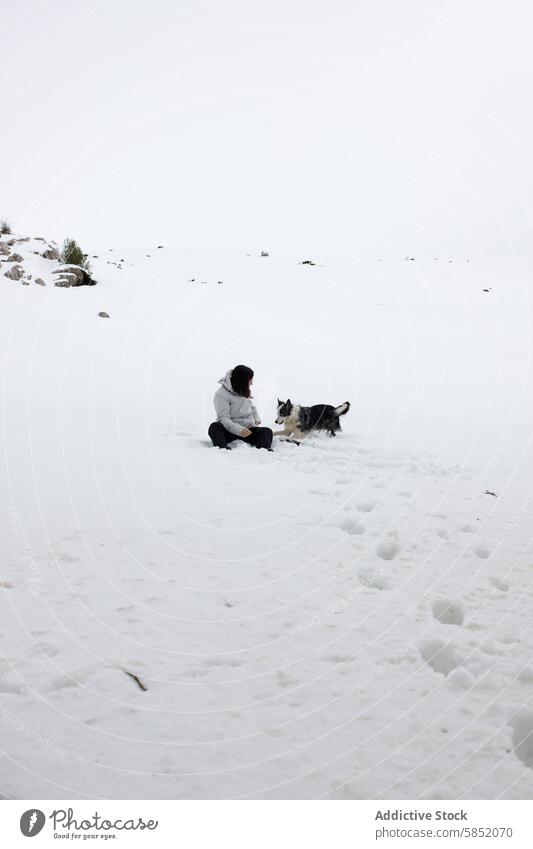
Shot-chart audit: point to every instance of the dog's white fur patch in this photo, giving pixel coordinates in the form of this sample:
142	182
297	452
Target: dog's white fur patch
290	423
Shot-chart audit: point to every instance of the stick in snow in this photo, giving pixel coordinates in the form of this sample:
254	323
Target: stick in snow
136	679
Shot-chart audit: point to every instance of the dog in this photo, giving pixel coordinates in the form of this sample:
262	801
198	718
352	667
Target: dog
299	421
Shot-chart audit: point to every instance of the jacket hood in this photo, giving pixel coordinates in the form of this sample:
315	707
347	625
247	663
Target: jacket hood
226	381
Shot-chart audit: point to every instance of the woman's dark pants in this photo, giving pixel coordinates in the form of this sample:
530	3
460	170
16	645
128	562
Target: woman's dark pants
261	437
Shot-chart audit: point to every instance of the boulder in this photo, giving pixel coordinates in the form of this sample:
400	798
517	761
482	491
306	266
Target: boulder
50	253
5	250
40	281
103	314
14	258
15	273
72	275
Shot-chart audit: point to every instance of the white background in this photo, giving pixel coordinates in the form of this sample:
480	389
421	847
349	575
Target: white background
382	127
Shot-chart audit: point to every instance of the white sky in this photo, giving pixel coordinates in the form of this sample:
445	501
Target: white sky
379	127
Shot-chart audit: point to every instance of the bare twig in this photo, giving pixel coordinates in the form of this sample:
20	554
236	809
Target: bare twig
136	679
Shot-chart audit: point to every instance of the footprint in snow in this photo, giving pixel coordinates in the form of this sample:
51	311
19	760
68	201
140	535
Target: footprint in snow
387	549
66	557
522	725
62	683
448	612
375	579
440	656
526	675
366	506
194	673
500	583
482	551
352	526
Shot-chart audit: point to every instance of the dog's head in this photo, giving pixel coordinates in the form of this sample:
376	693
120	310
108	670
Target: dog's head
284	410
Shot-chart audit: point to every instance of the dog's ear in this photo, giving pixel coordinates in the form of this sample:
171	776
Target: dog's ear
279	403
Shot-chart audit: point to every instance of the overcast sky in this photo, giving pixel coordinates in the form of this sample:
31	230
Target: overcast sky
379	127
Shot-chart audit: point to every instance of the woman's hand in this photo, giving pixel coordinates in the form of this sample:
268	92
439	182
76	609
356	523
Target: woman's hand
245	432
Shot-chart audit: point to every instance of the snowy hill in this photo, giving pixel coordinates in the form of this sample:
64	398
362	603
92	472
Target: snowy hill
350	618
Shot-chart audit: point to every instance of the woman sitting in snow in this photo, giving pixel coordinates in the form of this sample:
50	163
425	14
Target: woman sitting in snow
237	417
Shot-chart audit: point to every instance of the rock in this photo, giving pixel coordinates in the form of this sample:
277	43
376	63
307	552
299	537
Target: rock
40	281
50	253
103	314
14	258
4	248
25	282
15	273
72	275
39	239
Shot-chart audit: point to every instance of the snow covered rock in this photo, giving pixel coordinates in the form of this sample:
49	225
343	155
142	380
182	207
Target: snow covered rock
50	253
72	275
15	258
15	273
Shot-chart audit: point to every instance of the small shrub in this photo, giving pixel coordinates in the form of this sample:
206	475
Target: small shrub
72	254
5	227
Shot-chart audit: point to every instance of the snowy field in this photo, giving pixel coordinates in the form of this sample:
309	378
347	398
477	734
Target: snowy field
350	618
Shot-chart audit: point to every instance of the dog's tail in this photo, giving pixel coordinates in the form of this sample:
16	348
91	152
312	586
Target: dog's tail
342	409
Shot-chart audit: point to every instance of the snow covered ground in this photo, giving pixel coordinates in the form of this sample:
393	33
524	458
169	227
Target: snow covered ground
350	618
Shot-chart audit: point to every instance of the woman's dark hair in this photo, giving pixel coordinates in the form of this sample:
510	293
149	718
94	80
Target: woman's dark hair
240	380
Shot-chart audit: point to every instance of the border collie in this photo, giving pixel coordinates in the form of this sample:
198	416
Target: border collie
301	421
